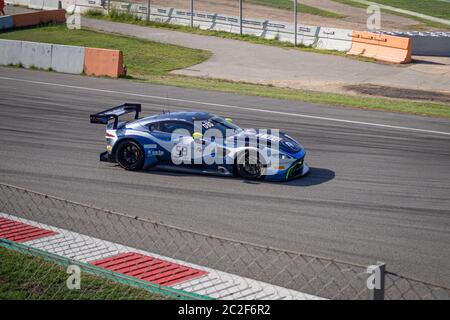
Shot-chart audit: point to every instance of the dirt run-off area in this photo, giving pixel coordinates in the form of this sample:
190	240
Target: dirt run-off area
354	18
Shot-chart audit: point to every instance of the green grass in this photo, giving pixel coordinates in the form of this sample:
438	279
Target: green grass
302	8
434	8
27	277
423	22
162	58
360	102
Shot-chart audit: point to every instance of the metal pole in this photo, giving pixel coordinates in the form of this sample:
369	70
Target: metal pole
295	21
240	17
192	13
148	10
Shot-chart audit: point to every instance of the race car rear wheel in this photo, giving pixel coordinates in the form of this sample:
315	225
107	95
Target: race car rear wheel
249	165
130	156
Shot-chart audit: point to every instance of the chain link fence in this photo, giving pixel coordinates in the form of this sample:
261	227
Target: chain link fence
83	235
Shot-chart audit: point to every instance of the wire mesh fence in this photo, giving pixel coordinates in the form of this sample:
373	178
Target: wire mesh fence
218	268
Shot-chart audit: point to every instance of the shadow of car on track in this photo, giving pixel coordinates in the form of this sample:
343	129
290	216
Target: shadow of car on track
316	176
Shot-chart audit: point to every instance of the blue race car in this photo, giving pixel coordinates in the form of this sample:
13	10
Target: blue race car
198	142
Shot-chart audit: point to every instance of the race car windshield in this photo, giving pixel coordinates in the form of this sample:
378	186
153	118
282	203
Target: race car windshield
221	124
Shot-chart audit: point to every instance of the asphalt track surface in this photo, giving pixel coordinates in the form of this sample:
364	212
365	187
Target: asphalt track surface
379	189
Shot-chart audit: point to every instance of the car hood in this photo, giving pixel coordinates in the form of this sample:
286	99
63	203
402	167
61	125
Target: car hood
266	138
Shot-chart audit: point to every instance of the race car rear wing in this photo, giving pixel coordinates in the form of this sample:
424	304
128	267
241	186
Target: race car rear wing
103	117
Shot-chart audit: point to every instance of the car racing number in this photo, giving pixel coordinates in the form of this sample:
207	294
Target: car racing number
181	153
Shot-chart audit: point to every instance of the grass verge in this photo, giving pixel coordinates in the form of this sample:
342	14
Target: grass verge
162	58
423	23
27	277
434	8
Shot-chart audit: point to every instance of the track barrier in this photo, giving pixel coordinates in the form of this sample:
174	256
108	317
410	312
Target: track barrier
37	55
22	20
103	62
10	52
36	18
381	47
423	43
67	59
6	22
62	58
427	43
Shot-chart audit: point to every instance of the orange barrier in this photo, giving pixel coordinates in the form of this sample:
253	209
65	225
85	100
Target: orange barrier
103	62
36	18
381	47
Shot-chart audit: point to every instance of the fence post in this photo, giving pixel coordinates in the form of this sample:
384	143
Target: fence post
148	10
240	17
192	13
295	21
376	281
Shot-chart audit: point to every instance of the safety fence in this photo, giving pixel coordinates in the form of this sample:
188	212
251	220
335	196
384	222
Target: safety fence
186	263
388	48
421	43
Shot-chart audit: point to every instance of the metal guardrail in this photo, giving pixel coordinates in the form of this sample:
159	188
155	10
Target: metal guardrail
310	274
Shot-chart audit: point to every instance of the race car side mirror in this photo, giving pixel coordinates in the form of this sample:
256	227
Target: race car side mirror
197	135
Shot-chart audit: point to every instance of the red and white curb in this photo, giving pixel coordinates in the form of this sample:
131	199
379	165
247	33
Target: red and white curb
141	264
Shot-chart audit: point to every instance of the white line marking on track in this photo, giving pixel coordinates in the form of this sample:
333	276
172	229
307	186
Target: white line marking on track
232	106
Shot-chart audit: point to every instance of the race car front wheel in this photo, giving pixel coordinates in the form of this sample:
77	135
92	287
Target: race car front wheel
130	155
249	165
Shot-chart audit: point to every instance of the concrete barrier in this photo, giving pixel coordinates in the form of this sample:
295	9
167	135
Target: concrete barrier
67	59
427	43
329	38
52	16
36	18
18	2
335	39
10	52
22	20
6	22
61	58
381	47
36	4
103	62
35	54
50	4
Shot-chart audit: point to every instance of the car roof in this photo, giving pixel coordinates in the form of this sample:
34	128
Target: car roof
189	116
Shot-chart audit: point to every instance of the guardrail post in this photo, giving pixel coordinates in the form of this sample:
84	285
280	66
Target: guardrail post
240	17
192	13
376	281
148	10
295	21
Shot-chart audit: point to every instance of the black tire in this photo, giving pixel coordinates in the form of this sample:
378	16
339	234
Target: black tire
130	155
250	170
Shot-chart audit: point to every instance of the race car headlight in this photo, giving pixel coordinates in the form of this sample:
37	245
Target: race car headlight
283	156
